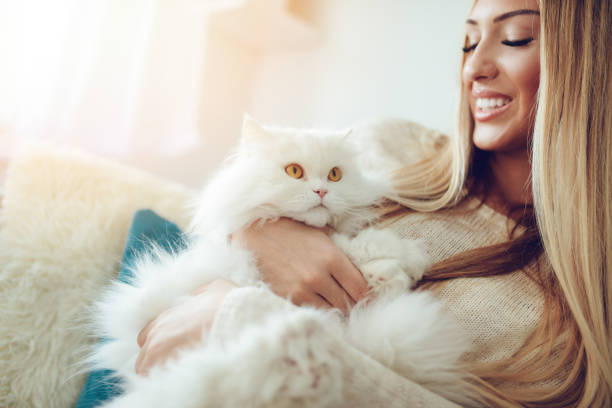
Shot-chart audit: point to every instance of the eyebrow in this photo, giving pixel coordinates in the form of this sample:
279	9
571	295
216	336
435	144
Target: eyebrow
507	15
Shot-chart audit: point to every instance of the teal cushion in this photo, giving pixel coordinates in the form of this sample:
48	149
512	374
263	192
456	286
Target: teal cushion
147	228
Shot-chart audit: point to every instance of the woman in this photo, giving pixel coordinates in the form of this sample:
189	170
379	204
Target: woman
542	288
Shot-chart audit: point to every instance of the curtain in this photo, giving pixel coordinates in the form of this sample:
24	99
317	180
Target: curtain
110	76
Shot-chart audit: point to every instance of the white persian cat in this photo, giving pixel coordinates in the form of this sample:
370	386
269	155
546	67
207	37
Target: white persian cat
309	176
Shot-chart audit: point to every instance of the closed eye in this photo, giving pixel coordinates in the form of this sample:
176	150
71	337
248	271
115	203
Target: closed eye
518	43
469	47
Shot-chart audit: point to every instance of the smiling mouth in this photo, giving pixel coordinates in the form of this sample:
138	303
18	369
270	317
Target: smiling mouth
488	108
486	104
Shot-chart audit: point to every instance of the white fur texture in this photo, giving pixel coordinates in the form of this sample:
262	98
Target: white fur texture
411	334
159	282
254	185
391	265
290	359
63	223
285	362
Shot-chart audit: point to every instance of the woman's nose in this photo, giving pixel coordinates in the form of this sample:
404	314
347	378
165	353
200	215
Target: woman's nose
479	65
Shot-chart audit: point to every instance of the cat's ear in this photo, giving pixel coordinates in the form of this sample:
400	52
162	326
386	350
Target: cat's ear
252	131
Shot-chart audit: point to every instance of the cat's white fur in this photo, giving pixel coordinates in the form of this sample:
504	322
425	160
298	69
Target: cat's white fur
406	331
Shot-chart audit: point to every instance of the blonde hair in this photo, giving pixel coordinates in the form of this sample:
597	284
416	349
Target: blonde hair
572	182
573	203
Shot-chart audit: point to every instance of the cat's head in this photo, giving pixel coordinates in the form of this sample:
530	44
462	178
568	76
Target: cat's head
308	175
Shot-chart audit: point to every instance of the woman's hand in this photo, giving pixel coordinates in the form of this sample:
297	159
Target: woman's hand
180	326
303	264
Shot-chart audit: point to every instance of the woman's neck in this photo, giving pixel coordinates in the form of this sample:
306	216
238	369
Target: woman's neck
510	180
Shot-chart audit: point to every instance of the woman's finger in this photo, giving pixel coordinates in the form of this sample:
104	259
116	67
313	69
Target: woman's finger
334	294
155	356
319	301
144	333
308	297
180	326
349	278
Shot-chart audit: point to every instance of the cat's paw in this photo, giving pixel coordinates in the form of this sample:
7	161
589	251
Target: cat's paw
385	277
388	262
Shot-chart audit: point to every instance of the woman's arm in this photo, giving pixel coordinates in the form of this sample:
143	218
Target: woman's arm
297	262
302	263
180	326
359	380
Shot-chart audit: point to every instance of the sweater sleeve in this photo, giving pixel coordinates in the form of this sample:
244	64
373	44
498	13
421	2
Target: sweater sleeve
365	382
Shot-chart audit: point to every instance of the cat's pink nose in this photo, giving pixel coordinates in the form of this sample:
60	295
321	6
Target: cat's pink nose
320	192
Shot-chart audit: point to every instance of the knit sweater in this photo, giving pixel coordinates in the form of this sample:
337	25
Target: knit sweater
498	312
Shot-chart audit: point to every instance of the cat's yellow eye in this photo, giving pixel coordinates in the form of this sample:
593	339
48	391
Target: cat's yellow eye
335	174
294	170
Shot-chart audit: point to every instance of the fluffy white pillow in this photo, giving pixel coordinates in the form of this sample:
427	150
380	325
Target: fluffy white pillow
63	225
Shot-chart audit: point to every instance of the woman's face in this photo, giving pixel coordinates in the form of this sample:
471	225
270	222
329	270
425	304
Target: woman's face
501	72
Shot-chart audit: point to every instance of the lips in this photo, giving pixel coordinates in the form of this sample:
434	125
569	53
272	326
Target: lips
489	104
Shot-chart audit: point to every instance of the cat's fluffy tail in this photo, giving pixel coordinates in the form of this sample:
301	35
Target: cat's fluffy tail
414	336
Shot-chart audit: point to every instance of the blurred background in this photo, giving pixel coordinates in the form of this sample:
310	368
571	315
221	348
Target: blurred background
164	84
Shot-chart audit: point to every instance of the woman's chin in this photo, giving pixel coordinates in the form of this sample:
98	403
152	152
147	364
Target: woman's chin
487	139
500	137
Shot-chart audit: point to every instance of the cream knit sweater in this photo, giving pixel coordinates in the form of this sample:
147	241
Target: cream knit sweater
498	312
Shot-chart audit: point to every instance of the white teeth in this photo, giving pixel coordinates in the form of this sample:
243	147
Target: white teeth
489	103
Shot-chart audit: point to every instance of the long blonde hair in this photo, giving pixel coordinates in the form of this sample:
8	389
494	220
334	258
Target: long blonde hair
572	185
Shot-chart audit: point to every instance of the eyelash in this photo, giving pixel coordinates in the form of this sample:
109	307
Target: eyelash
518	43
